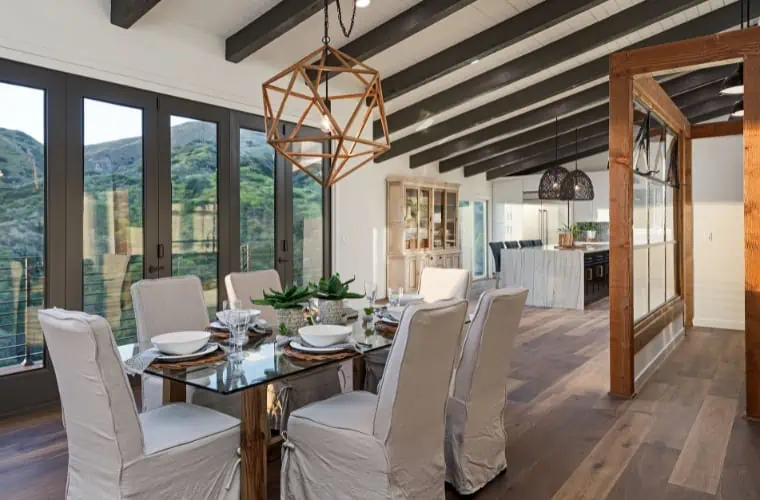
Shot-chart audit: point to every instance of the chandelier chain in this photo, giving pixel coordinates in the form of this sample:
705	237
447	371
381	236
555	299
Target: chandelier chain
346	31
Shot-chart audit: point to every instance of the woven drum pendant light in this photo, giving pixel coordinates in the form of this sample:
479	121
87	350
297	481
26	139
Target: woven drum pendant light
577	186
550	186
296	89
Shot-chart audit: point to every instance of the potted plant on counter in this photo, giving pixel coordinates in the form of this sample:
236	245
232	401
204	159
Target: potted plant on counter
331	293
567	235
288	306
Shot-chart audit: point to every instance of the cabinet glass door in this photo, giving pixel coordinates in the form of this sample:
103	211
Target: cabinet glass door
424	218
411	232
437	219
451	219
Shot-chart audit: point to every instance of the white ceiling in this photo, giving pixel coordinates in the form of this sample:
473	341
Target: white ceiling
228	16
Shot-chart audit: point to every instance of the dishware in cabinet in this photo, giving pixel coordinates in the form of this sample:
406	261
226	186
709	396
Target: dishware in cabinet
450	216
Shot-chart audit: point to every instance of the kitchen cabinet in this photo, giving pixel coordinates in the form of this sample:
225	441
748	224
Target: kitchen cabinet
421	228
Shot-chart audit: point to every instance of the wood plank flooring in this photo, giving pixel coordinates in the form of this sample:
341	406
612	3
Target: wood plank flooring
684	437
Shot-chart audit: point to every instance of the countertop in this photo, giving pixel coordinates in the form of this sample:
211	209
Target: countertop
586	248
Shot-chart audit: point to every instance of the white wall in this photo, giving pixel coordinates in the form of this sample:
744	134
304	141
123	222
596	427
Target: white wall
156	54
718	232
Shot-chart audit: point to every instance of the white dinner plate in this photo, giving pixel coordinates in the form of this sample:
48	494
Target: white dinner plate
298	346
210	347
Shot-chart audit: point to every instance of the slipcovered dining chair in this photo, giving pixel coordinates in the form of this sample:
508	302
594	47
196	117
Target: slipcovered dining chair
296	391
171	305
385	446
475	435
435	284
175	452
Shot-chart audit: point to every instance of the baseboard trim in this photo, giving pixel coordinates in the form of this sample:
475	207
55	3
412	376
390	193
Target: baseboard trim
723	324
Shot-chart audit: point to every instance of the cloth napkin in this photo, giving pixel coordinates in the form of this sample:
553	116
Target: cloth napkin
137	365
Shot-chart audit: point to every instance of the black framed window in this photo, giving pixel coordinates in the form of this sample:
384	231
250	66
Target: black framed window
132	184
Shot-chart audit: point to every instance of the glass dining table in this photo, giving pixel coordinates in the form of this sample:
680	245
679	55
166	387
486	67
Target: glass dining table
264	361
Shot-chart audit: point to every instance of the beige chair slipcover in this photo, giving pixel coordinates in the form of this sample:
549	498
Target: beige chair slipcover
435	284
475	434
296	391
171	305
387	446
176	452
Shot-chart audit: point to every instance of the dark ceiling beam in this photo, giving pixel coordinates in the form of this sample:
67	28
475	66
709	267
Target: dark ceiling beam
567	105
509	32
717	107
682	85
274	23
563	125
125	13
595	35
545	149
398	29
713	22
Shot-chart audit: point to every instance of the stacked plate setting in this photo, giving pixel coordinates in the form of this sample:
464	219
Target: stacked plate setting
179	346
323	339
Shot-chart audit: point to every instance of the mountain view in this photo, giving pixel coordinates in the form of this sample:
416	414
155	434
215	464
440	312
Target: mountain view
113	185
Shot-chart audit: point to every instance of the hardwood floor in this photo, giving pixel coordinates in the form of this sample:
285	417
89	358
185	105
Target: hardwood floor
682	438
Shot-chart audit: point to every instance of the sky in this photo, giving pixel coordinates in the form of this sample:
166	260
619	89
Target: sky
23	108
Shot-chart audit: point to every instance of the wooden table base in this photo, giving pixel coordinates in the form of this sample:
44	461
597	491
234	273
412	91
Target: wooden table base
254	437
174	392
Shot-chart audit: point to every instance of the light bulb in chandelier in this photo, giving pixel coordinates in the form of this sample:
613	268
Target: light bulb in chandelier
325	123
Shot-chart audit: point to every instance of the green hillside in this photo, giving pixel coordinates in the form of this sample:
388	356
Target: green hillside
118	165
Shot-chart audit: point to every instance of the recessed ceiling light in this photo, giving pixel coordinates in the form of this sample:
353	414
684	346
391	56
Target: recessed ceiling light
363	3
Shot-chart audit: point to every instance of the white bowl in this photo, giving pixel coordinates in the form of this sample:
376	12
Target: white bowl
224	316
180	343
325	335
410	298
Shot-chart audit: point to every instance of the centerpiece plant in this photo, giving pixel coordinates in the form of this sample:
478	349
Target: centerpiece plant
288	306
331	293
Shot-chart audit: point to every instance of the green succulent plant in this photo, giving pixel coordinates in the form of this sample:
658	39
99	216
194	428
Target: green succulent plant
333	288
291	298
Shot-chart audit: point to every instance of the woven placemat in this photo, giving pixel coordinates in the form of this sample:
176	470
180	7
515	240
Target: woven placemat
308	356
213	357
386	329
224	334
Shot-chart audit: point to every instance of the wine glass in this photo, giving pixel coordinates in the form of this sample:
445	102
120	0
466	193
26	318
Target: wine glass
370	291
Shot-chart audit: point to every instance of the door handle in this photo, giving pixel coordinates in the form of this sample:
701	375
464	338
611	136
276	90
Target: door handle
154	269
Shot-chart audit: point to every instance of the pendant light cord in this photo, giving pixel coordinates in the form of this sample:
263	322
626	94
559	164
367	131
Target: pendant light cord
556	139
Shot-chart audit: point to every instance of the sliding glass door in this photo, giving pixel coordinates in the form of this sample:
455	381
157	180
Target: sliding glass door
192	194
130	185
32	222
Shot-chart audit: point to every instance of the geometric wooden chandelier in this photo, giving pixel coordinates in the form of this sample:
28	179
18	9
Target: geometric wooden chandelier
340	141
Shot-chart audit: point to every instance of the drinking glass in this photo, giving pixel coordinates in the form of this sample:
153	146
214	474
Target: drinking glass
394	296
237	319
370	290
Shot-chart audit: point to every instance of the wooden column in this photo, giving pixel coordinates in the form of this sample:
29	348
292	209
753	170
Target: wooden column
254	437
686	240
752	231
621	236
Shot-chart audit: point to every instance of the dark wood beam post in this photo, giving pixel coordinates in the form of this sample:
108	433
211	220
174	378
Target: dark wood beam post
125	13
752	230
686	221
621	236
269	26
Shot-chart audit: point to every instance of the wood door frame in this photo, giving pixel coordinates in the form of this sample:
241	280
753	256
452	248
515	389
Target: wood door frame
631	74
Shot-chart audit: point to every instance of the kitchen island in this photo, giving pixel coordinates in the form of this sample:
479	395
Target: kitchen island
554	277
